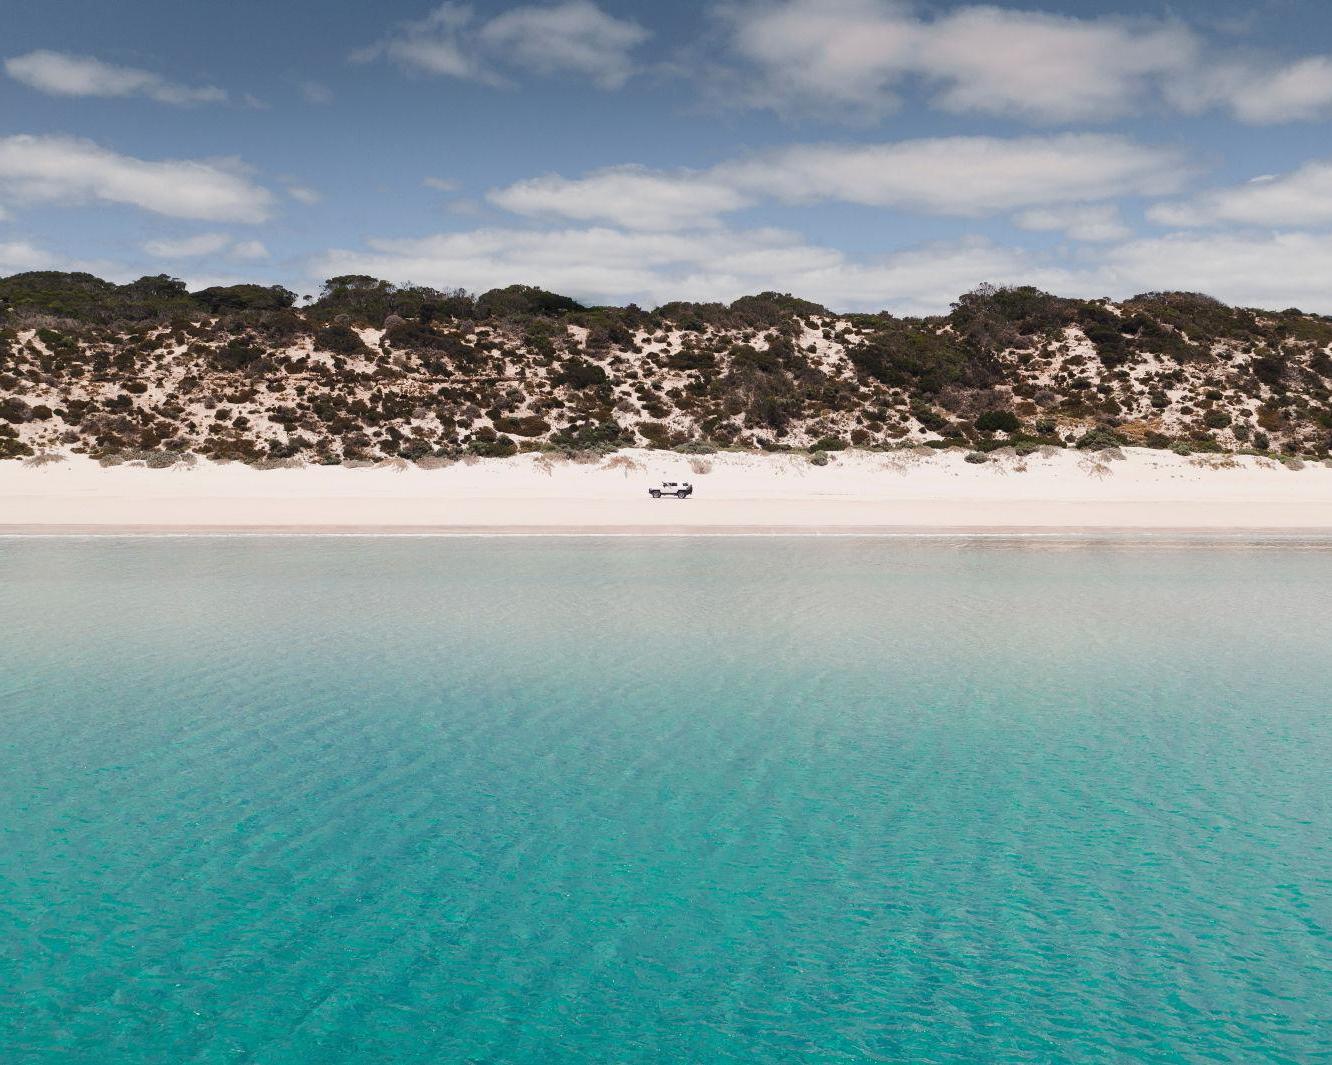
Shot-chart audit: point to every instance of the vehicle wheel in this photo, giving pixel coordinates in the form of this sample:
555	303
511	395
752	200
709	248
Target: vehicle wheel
655	495
681	495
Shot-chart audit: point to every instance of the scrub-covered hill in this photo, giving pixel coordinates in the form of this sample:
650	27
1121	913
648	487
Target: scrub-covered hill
368	371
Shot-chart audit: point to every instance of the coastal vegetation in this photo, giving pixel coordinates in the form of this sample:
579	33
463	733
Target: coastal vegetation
369	370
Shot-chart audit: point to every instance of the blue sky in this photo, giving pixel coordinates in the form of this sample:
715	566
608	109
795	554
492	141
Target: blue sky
864	153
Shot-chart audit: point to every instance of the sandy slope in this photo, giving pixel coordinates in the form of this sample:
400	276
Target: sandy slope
857	491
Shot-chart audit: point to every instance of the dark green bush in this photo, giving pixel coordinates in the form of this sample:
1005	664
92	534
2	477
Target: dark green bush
1003	421
341	340
1099	439
591	436
13	409
223	298
579	373
497	448
531	425
86	298
656	434
236	354
370	300
829	443
519	301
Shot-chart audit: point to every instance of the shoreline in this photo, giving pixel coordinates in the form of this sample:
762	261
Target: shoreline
1141	493
1159	534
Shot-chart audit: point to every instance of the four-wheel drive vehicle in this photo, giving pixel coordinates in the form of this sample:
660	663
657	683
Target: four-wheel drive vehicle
679	489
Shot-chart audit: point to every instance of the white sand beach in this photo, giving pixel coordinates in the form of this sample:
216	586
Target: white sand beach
856	491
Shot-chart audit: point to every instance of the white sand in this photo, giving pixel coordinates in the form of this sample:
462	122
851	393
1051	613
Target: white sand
856	491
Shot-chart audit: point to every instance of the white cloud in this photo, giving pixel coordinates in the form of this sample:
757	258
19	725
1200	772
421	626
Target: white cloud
249	249
433	45
1302	90
1089	222
574	37
304	194
1259	93
966	176
857	53
315	92
824	52
1301	198
58	169
1273	270
1047	67
188	247
17	256
610	265
440	184
205	244
628	196
62	74
853	58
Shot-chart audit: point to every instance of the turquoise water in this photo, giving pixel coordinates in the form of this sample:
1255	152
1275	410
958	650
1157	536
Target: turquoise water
669	800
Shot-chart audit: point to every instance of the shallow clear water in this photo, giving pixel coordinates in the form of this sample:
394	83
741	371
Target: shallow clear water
581	800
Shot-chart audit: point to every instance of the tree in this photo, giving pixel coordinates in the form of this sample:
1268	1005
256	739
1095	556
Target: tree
223	298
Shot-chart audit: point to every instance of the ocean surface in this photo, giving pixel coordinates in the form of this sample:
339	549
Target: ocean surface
431	800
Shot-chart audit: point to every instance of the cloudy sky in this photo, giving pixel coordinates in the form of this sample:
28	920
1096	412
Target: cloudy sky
867	154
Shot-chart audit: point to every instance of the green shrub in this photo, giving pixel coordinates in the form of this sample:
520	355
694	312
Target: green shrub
691	359
340	339
591	436
223	298
1004	421
1111	347
579	374
414	336
523	300
10	445
747	359
13	409
829	443
370	301
1269	369
531	425
1099	439
86	298
491	446
929	417
236	354
657	434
